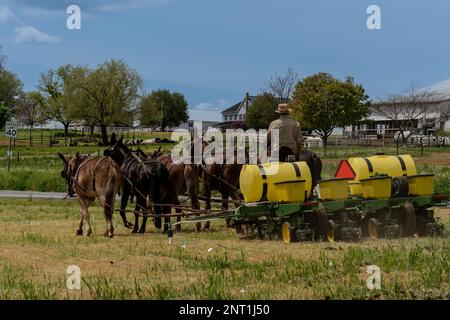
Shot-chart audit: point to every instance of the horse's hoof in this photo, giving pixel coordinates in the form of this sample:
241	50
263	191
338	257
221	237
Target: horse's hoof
79	232
128	225
134	231
141	231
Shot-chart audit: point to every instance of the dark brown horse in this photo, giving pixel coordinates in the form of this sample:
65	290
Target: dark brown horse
91	178
184	179
147	180
223	178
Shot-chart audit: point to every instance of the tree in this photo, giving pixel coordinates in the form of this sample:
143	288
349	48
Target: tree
150	111
323	103
57	89
4	115
405	110
262	112
110	95
282	86
2	60
29	109
164	108
10	86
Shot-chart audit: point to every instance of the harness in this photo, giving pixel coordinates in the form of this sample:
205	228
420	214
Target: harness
218	178
122	167
72	178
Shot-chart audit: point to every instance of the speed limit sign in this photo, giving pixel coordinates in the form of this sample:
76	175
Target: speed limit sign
11	129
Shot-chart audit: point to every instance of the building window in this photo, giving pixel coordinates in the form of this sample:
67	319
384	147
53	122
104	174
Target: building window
235	117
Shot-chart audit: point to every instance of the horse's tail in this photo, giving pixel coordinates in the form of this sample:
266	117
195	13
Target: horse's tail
113	184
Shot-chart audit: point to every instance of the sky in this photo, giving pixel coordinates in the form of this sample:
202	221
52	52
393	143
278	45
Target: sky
214	51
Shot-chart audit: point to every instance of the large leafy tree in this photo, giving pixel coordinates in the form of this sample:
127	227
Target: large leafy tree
323	103
10	86
57	87
262	111
108	95
163	108
4	115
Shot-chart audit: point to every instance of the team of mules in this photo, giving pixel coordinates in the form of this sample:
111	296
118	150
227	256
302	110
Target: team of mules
155	181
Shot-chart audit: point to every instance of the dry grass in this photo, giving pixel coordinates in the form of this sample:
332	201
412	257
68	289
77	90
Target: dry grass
38	243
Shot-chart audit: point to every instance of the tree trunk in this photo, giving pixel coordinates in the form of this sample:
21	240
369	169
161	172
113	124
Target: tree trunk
325	144
66	132
105	141
31	139
92	127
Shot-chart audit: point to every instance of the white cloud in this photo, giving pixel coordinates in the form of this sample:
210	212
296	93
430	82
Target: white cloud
52	8
30	34
7	15
219	105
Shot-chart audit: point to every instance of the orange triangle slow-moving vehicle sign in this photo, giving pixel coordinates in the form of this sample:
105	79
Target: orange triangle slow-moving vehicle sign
345	170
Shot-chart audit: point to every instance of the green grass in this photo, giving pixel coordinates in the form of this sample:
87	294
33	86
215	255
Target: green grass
38	243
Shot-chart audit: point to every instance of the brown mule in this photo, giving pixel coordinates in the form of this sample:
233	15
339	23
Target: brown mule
184	178
91	178
223	178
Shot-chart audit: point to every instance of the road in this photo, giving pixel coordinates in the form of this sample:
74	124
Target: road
32	194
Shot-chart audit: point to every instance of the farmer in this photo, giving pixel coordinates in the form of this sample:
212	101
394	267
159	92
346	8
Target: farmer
290	135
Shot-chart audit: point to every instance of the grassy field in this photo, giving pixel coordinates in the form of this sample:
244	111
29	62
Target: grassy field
38	169
38	243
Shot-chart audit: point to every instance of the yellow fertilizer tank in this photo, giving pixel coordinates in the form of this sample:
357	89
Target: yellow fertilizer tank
421	184
276	182
376	187
333	189
363	168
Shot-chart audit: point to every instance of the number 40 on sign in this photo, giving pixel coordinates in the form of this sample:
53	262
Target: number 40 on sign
11	129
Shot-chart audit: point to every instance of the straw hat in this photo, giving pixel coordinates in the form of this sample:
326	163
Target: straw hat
283	108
